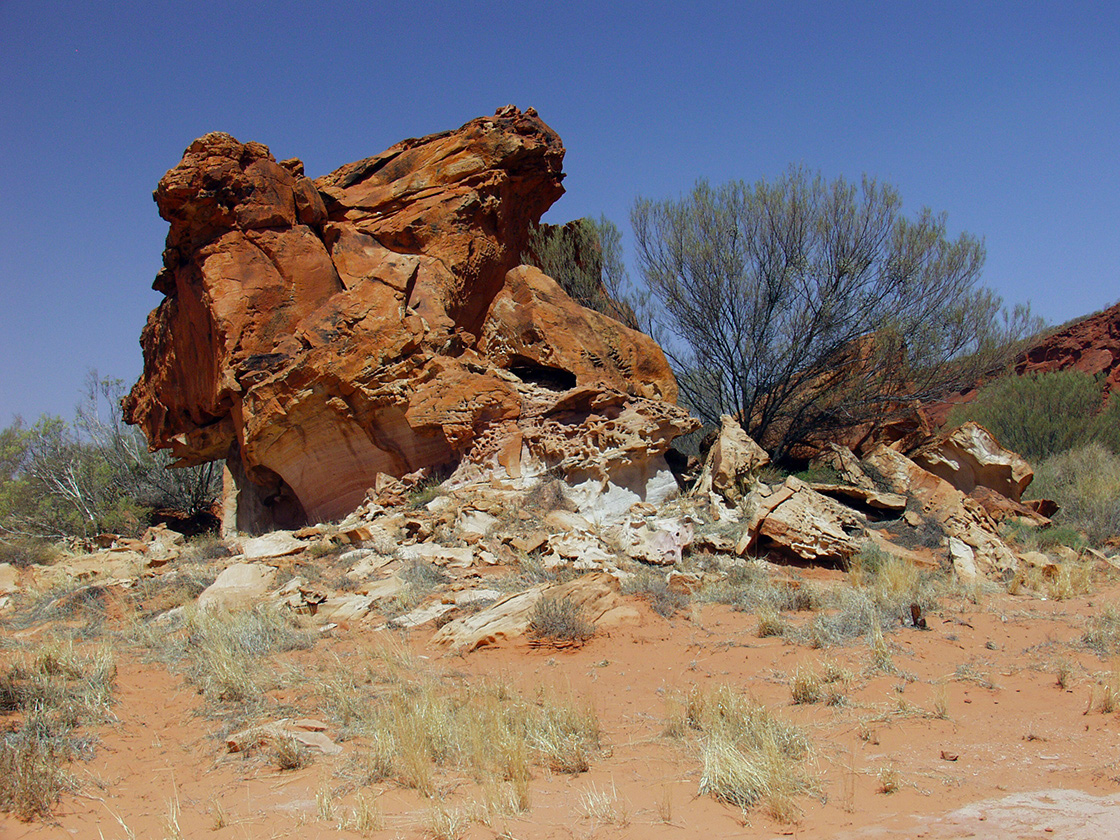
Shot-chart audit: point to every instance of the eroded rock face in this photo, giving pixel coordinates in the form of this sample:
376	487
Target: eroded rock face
1091	345
969	457
960	516
317	334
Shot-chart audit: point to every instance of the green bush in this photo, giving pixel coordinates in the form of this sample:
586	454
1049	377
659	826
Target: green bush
1085	482
1040	415
91	475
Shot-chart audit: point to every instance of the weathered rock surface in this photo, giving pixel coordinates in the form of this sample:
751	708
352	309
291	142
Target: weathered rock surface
1091	345
797	520
318	334
959	515
732	463
596	594
238	586
969	457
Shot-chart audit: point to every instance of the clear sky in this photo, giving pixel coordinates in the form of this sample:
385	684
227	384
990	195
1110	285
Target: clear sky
1004	115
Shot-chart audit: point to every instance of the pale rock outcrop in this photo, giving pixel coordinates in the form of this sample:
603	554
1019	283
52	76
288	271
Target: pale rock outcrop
969	457
959	515
795	519
9	579
239	586
659	542
597	594
732	463
274	544
308	733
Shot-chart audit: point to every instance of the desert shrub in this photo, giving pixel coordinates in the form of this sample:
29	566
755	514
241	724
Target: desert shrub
52	691
797	304
559	621
1085	482
22	552
653	589
1031	537
585	258
749	756
1040	415
92	474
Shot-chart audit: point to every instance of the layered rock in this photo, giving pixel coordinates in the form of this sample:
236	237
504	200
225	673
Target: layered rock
969	457
317	334
1091	345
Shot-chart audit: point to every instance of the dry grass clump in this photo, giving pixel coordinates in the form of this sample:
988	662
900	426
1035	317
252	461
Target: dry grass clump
225	650
1105	696
752	588
1102	635
604	807
750	758
420	579
559	621
67	603
47	696
807	686
653	588
883	590
410	726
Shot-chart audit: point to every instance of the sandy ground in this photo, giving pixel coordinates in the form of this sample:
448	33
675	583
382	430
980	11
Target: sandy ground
973	733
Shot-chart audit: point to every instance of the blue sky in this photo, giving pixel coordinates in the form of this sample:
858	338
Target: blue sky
1004	115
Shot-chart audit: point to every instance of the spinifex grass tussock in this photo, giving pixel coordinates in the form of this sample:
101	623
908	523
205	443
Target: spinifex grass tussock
226	651
1102	634
653	588
559	621
412	726
808	686
750	758
47	695
752	588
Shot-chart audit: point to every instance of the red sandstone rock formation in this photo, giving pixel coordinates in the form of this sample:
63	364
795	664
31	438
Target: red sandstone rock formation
317	334
1091	345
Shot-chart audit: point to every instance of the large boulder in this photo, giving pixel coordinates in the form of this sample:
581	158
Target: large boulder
794	519
960	516
732	463
969	457
316	334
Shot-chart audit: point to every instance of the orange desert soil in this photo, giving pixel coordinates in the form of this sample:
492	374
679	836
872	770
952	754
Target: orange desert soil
1016	755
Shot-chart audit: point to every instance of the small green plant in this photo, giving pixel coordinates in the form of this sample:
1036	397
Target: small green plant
559	621
889	779
289	754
